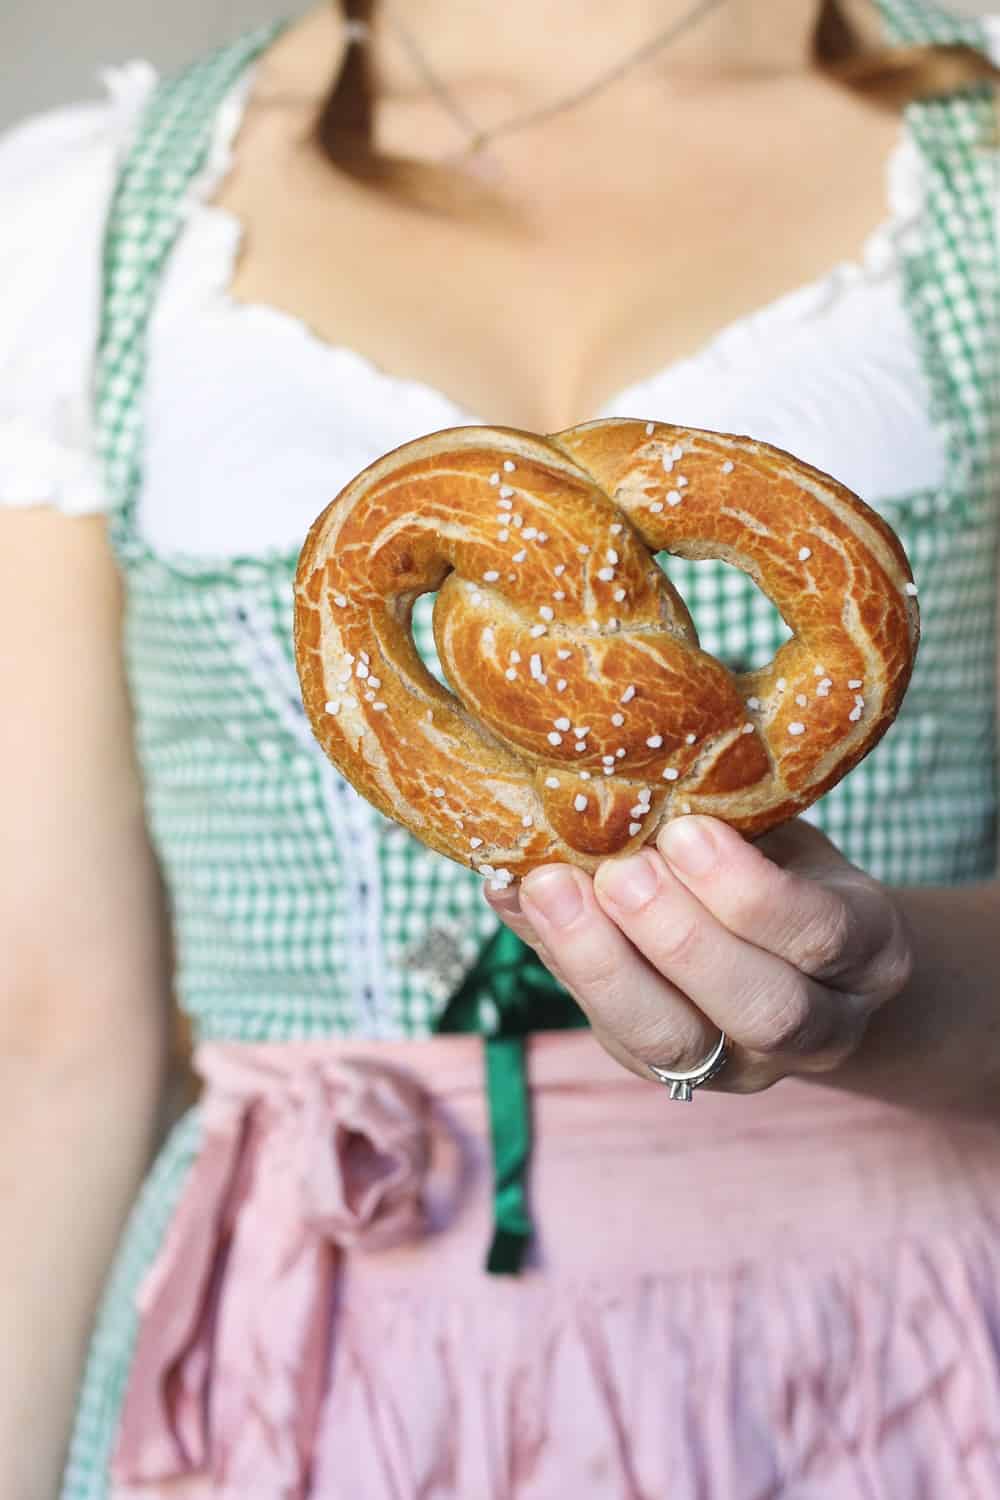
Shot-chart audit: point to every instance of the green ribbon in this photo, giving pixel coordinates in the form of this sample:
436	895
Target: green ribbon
506	995
510	1134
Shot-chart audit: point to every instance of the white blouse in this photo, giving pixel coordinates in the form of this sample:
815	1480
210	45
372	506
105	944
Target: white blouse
254	423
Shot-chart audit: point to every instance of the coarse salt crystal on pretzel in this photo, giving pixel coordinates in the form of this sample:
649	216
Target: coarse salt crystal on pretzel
583	714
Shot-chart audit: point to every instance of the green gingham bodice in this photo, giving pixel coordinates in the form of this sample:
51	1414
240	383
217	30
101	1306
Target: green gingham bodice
298	910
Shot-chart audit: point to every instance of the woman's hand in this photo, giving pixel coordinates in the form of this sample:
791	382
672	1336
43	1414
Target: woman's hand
783	945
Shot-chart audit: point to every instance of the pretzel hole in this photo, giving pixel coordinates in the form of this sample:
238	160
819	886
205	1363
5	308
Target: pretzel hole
735	620
423	637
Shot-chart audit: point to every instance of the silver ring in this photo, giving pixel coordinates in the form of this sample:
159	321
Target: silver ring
682	1085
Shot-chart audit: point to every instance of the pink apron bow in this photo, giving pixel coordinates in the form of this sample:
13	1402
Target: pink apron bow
233	1349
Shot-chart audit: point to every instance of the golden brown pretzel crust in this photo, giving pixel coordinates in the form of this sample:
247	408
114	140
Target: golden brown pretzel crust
584	714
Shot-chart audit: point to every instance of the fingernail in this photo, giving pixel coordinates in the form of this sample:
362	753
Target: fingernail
689	845
630	883
556	895
507	901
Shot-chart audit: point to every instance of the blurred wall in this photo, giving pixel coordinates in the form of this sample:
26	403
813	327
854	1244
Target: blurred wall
50	50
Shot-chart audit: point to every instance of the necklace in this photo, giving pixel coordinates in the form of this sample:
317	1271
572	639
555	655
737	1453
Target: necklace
480	138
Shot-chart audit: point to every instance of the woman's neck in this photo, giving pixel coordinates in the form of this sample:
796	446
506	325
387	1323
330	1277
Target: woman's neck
500	61
541	47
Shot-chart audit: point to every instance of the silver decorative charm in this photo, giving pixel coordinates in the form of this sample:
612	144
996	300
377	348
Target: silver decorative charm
439	957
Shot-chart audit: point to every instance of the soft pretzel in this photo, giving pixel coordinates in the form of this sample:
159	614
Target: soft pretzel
584	714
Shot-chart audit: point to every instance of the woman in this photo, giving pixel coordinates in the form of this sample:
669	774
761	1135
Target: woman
788	1294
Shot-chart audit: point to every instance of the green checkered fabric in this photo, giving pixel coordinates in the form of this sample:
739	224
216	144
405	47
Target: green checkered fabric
299	911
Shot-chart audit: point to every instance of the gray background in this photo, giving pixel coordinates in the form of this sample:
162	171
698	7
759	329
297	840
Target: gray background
50	50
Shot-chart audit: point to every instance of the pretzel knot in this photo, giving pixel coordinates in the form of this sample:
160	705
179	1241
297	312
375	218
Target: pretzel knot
583	714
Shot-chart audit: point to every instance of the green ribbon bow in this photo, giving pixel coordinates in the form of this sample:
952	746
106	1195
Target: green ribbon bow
507	994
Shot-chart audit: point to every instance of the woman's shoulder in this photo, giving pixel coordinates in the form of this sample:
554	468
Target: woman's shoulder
73	144
57	175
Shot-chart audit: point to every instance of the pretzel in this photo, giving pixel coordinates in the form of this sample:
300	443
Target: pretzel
584	714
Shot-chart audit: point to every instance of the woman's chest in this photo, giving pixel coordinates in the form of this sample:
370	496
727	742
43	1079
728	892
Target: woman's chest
254	424
610	244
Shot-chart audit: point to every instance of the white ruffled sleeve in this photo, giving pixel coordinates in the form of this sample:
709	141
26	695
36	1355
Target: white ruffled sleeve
57	174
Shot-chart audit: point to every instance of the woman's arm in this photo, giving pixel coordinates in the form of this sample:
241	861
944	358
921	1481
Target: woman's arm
937	1044
83	959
